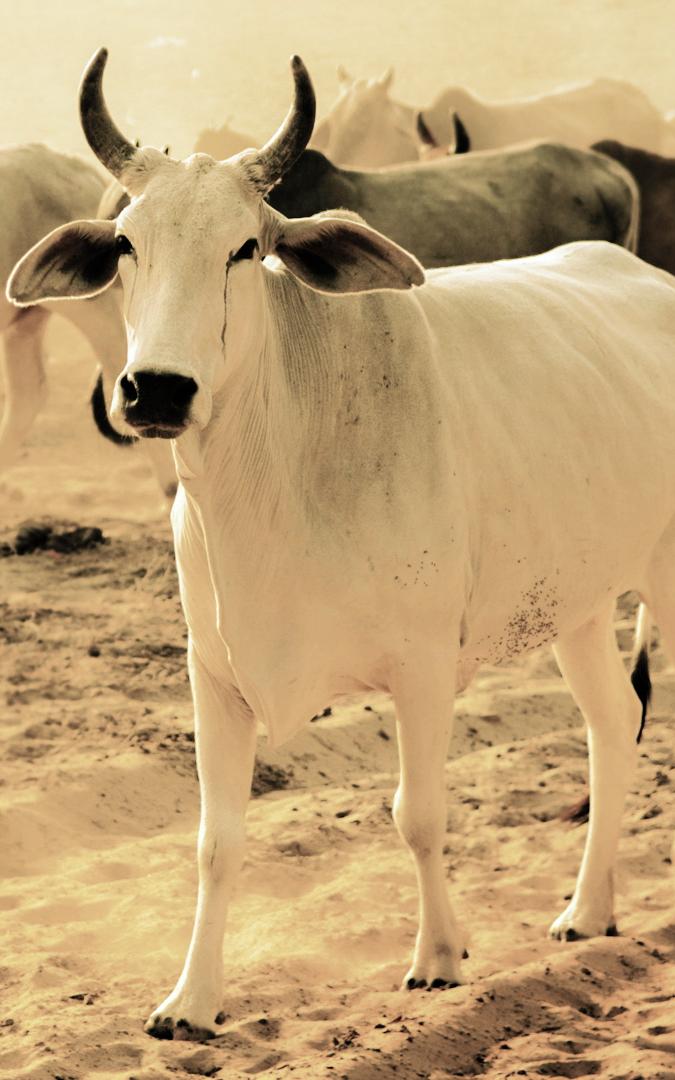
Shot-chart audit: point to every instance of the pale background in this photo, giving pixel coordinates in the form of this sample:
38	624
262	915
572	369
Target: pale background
179	65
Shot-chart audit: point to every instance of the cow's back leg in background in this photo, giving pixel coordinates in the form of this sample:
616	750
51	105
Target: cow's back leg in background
23	377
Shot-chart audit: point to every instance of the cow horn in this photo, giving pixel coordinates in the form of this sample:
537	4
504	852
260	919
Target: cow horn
284	148
107	142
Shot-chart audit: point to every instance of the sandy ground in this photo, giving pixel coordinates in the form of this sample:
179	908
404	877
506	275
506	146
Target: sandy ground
99	803
98	794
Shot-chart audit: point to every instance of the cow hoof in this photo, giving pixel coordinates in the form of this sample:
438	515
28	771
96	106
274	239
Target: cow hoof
574	925
163	1027
440	971
435	984
181	1019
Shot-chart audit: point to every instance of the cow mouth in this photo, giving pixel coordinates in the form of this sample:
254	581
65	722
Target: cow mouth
159	431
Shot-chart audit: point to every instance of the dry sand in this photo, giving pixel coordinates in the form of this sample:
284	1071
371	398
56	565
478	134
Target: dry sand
98	793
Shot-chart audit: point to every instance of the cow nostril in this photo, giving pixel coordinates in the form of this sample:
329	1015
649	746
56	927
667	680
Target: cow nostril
157	398
129	389
182	391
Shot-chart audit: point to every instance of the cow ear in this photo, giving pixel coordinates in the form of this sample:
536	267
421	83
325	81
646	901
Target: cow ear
338	255
462	143
75	260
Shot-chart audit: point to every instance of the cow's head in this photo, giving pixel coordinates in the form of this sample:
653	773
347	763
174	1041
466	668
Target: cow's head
189	250
460	143
365	127
448	120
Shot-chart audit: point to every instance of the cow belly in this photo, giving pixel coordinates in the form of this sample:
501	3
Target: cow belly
523	602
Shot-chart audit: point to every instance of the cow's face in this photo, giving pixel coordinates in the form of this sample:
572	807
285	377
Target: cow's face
189	256
365	127
189	249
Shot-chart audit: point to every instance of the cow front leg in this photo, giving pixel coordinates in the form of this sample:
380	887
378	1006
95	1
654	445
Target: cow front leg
424	709
225	736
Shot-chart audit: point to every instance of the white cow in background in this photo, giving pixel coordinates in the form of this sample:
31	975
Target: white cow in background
380	489
578	115
40	189
366	127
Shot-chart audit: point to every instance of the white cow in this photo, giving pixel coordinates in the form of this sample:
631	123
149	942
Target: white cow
578	115
41	188
366	127
380	489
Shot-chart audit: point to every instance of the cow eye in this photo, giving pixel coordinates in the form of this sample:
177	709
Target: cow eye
123	245
245	251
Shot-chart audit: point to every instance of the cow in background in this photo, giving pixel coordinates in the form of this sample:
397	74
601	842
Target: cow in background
365	127
655	178
40	189
222	142
476	207
577	115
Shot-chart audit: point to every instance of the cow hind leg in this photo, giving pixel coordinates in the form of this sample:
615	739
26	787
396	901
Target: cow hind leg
424	719
659	592
591	664
24	380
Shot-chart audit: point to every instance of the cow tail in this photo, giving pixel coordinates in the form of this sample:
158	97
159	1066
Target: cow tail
642	683
101	418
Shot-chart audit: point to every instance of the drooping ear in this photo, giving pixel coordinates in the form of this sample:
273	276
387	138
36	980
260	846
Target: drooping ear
337	255
75	260
423	131
462	143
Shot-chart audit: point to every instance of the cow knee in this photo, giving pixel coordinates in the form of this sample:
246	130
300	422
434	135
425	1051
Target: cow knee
220	852
422	827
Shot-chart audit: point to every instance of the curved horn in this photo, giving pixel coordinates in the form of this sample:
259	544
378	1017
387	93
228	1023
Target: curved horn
107	142
284	148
